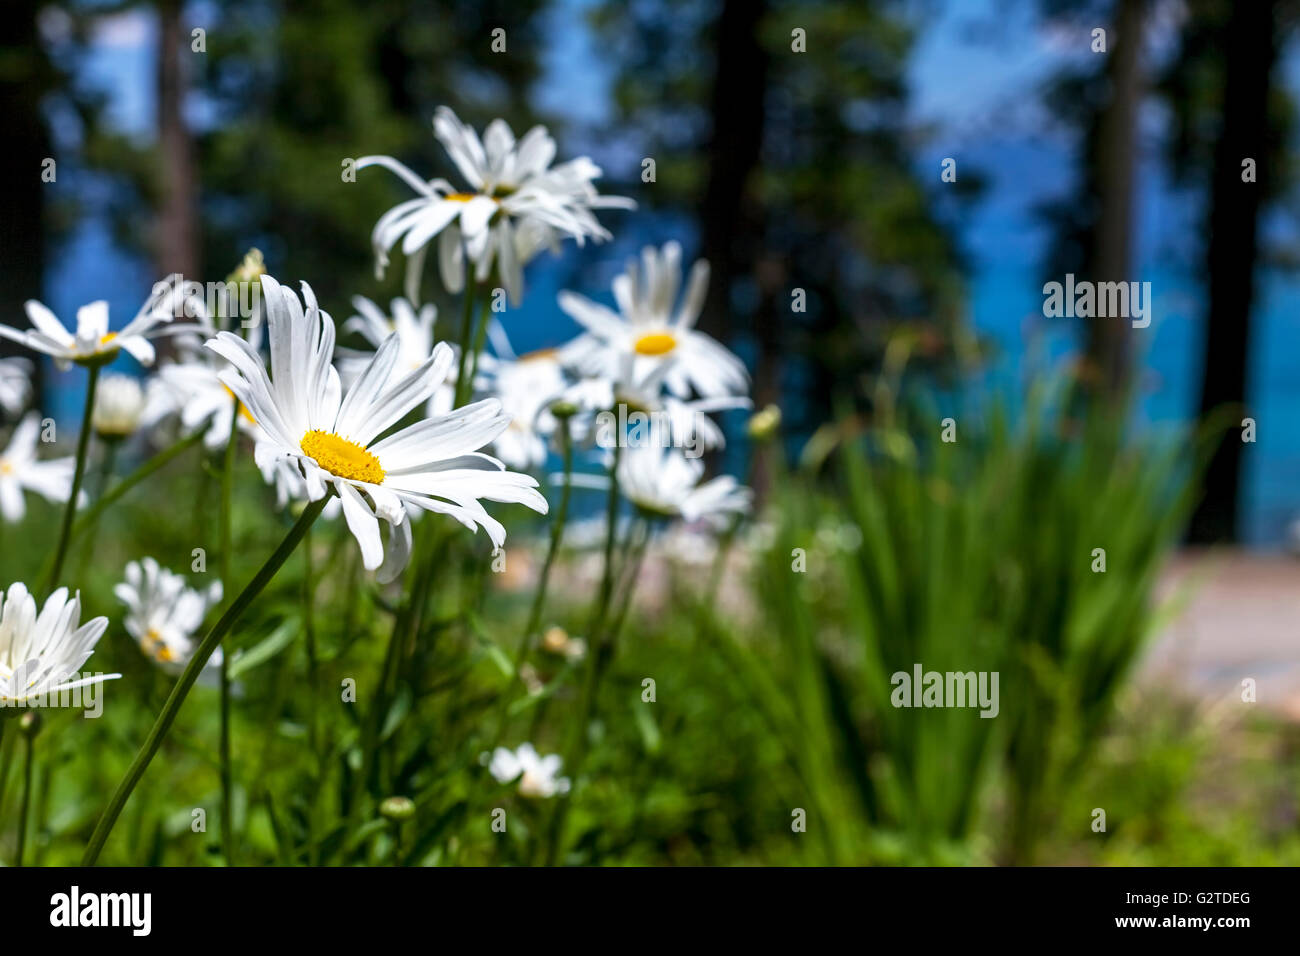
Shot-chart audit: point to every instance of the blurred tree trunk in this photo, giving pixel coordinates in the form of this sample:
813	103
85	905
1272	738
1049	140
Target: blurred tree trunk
731	213
27	145
1250	53
1109	339
176	244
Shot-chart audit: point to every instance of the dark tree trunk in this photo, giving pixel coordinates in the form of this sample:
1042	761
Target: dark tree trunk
176	243
1250	53
27	146
732	215
1108	339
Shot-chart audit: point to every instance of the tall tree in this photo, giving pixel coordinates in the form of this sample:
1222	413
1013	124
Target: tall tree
782	126
1115	161
1250	52
1100	98
28	77
1233	123
176	231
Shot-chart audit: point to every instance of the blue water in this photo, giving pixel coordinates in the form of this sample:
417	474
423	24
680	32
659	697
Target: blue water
1006	305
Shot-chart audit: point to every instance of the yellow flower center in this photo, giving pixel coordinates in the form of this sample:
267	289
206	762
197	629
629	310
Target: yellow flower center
538	355
655	343
6	468
342	457
107	338
153	645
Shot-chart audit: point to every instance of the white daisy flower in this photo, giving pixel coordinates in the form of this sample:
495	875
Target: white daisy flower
538	776
648	332
414	333
517	204
526	387
40	654
15	384
119	402
331	437
192	389
664	482
688	422
93	343
286	478
163	614
21	471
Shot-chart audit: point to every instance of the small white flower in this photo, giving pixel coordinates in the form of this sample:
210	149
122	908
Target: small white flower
688	420
20	470
516	205
93	343
665	482
15	384
119	401
538	776
331	437
414	333
163	614
192	389
40	654
646	332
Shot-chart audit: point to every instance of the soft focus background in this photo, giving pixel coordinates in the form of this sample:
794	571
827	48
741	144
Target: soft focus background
817	171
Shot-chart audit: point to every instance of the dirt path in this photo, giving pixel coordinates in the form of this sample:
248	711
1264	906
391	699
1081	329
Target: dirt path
1240	617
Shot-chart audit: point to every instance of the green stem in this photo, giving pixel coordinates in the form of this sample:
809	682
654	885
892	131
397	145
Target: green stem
557	536
596	662
309	639
227	539
611	533
25	806
177	697
6	758
543	580
480	339
466	328
634	557
160	460
70	511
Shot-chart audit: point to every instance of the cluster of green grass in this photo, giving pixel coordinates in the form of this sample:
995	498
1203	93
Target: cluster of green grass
771	737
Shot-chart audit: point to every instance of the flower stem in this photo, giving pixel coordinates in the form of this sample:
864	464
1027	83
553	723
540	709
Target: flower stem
101	504
480	339
596	661
191	673
25	806
227	785
557	536
611	533
466	329
70	511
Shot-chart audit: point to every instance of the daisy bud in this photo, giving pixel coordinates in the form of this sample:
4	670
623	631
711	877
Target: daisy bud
764	425
119	400
563	409
251	268
30	723
555	640
397	809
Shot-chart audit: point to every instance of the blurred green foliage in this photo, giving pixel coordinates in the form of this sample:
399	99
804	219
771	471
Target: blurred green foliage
773	698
